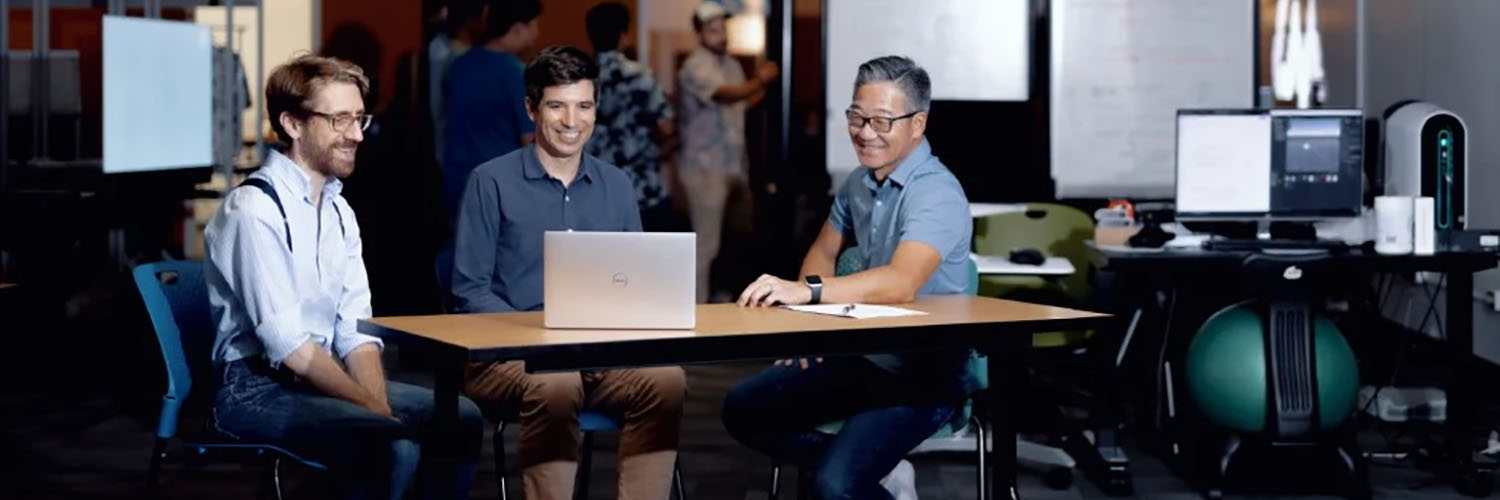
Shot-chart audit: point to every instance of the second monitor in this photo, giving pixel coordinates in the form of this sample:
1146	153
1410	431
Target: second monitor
1269	164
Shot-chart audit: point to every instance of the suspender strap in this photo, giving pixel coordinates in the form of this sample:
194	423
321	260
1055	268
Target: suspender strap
265	187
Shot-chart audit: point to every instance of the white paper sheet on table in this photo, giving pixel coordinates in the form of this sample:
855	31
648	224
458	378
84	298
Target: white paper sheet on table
858	311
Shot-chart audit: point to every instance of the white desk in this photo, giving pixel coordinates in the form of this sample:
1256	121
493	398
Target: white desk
977	210
1001	265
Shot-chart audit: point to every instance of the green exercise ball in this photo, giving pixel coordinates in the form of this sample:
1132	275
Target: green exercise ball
1226	370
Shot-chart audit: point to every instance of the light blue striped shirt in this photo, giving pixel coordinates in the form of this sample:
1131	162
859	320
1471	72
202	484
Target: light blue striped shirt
268	299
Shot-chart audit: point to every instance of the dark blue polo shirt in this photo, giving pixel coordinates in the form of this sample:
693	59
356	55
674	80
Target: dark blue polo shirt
507	205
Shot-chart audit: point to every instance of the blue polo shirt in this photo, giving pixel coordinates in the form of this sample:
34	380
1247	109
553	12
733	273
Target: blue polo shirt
486	100
919	201
508	205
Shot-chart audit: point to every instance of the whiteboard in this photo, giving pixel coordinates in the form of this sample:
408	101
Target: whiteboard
973	50
1120	70
158	104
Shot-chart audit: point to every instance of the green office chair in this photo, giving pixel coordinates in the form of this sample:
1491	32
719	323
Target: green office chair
1057	231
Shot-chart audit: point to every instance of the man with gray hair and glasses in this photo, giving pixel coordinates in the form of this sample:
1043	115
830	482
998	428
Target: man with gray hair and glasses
907	215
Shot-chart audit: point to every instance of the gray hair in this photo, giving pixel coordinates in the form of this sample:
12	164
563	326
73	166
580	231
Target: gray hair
910	78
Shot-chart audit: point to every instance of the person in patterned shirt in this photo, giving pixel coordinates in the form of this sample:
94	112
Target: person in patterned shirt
635	123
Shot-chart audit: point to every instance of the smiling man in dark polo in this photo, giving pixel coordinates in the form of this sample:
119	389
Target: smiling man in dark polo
507	206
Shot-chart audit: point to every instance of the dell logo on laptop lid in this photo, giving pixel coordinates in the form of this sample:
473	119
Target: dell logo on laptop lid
1292	273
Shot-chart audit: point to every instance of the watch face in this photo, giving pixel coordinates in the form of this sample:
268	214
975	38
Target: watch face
814	280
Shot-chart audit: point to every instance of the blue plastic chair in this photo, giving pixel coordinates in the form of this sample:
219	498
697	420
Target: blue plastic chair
176	298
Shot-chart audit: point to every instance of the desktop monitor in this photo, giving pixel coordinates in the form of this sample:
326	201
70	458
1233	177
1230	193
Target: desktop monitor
1269	164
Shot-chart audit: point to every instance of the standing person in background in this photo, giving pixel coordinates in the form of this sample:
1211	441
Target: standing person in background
714	94
486	96
462	26
635	123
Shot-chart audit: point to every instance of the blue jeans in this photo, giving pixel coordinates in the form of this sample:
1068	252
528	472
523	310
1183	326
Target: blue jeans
885	415
365	452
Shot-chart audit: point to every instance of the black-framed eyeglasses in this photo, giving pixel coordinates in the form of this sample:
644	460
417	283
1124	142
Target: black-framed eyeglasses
341	122
880	124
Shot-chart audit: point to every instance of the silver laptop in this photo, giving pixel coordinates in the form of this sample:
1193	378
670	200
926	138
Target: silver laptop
619	280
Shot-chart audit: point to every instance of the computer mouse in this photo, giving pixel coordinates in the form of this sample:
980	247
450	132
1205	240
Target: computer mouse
1027	257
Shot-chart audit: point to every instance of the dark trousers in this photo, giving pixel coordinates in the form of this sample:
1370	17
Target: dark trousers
364	451
884	416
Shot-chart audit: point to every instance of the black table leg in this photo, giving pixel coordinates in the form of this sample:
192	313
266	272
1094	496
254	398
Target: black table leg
1473	473
447	381
1105	461
1007	377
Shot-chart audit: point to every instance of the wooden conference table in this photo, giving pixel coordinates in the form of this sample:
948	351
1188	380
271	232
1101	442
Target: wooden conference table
726	332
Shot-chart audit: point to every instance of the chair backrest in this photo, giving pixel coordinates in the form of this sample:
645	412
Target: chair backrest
1055	230
443	267
973	287
176	298
849	262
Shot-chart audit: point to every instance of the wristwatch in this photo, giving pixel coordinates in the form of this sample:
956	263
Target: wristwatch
816	284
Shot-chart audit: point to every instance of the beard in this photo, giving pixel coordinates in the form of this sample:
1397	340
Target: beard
324	159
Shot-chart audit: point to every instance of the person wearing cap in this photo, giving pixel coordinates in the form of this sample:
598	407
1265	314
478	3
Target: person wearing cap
713	165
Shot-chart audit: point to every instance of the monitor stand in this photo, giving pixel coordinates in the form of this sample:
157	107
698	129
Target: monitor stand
1295	231
1272	235
1263	230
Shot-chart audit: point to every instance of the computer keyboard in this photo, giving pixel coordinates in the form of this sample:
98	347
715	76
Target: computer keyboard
1274	245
